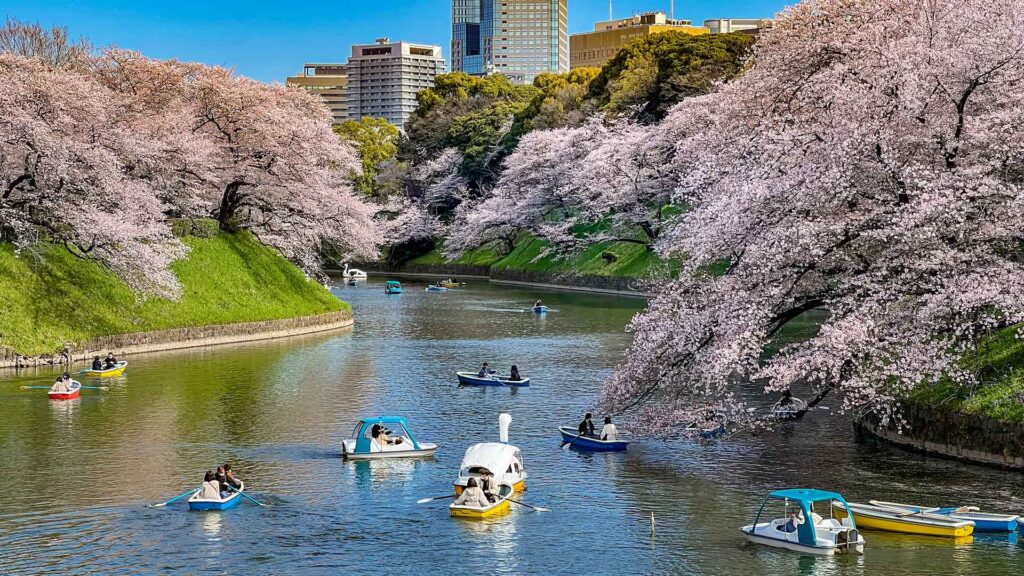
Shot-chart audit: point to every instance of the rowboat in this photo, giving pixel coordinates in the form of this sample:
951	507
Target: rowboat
433	288
501	461
707	427
474	379
790	411
362	445
894	520
572	436
451	284
540	309
76	389
116	370
392	287
983	521
232	500
500	505
802	529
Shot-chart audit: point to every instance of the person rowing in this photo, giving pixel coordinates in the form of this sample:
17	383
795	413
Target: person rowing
110	361
485	371
537	304
586	427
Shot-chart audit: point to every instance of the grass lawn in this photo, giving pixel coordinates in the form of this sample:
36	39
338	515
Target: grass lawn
999	363
57	299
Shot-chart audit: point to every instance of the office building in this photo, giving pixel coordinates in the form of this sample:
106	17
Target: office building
517	38
384	77
598	47
727	25
327	81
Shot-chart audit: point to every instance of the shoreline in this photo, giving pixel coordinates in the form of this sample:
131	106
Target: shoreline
132	343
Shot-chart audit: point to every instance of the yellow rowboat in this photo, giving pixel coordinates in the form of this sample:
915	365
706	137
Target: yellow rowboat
893	520
500	506
117	370
450	284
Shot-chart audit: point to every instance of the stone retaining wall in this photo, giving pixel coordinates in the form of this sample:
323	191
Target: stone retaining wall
938	432
176	338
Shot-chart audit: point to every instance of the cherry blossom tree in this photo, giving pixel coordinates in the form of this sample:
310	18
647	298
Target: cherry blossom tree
279	171
72	168
869	165
576	186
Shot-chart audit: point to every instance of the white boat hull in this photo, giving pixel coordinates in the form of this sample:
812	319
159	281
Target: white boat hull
795	546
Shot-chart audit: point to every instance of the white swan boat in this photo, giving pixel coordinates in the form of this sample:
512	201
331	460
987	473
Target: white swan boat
350	273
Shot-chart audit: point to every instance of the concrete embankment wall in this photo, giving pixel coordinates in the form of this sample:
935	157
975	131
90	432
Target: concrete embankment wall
177	338
560	281
965	437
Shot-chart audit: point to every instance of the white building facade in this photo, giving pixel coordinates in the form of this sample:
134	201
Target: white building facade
384	77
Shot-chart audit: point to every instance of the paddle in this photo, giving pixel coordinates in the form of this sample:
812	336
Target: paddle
105	388
568	444
425	500
244	495
172	500
82	387
537	508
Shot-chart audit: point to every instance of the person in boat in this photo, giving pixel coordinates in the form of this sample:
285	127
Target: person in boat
473	496
97	364
229	479
795	519
487	485
609	432
537	304
110	361
380	435
60	385
211	488
485	371
786	400
586	427
514	374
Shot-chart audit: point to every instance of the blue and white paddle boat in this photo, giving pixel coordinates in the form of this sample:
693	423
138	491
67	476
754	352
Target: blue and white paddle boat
403	444
572	437
436	288
803	526
983	521
475	379
230	501
392	287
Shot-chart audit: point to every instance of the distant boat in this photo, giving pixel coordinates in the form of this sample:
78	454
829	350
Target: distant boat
392	287
540	309
433	288
572	436
75	389
474	379
362	446
116	370
353	272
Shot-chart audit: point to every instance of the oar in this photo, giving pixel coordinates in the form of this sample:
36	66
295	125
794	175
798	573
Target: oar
244	495
94	388
537	508
35	387
425	500
569	443
172	500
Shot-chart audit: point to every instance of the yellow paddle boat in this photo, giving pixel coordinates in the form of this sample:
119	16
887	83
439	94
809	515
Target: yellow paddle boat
896	520
115	370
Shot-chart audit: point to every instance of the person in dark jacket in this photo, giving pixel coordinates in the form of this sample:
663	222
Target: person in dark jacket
586	427
97	364
514	374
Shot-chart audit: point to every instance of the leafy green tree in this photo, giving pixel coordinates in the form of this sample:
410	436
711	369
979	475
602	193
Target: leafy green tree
651	74
376	140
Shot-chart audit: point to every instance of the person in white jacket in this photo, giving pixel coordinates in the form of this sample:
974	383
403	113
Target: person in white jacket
211	487
609	432
472	495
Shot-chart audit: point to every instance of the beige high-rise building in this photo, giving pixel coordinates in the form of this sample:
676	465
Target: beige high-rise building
384	77
517	38
598	47
330	82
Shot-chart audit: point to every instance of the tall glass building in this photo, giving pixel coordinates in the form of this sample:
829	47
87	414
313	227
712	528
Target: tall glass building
518	38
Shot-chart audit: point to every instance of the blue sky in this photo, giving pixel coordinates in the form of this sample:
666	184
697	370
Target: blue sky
271	40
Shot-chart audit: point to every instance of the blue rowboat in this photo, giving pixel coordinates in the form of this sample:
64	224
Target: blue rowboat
232	500
474	379
588	444
540	309
433	288
983	521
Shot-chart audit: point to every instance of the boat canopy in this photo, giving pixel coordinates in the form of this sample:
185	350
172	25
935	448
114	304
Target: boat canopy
496	457
393	284
804	498
362	431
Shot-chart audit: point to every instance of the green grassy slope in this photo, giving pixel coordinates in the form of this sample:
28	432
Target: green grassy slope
630	260
58	299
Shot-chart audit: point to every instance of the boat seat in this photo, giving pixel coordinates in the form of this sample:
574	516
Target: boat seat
847	522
